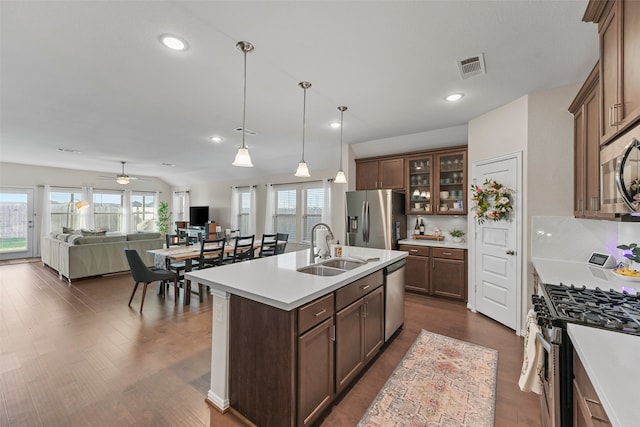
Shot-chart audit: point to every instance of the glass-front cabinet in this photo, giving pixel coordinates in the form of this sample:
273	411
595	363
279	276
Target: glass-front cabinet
420	185
450	183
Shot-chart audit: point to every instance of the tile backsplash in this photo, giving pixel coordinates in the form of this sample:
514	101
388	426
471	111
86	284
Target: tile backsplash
572	239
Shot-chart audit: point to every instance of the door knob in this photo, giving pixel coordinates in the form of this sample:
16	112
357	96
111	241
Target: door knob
510	252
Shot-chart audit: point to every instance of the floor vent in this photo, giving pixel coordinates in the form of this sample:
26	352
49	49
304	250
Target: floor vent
472	66
246	131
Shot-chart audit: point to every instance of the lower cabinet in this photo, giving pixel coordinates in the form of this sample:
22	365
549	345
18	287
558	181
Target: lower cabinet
359	336
587	409
287	367
436	271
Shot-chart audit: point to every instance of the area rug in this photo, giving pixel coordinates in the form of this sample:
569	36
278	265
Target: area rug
441	381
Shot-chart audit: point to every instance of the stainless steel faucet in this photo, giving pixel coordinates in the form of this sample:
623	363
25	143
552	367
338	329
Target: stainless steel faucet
312	251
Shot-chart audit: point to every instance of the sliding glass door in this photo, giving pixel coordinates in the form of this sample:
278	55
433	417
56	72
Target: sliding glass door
16	223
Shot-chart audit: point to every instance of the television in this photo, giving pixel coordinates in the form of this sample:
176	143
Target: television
198	216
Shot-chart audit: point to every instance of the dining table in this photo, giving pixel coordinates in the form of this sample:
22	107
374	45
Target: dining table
188	254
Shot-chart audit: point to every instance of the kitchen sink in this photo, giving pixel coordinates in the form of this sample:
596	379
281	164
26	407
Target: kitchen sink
345	264
321	270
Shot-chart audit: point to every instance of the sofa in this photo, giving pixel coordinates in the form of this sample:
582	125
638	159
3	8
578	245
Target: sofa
75	255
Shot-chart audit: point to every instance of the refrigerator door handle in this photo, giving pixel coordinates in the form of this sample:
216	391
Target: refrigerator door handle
364	221
368	222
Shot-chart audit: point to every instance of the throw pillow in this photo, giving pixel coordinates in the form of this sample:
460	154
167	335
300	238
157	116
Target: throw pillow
93	232
68	230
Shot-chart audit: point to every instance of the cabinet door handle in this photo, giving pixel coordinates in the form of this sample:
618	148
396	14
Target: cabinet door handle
611	122
333	332
364	287
321	312
366	309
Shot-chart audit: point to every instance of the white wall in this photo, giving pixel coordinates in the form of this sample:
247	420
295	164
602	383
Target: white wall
539	126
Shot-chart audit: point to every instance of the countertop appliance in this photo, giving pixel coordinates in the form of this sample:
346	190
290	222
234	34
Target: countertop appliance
375	218
555	307
394	298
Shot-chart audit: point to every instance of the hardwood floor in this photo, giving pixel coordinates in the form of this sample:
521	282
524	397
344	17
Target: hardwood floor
79	356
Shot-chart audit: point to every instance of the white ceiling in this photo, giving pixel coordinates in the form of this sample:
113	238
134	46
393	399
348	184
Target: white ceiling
91	76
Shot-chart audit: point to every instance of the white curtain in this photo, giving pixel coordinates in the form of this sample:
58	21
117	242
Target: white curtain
156	206
270	211
253	223
45	221
326	206
233	212
127	213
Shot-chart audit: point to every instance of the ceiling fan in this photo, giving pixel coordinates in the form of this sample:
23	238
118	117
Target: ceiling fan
123	178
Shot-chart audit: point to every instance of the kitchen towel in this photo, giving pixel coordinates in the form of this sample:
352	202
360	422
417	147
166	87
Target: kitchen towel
533	357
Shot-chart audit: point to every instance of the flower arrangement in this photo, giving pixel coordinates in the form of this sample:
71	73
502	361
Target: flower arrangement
493	201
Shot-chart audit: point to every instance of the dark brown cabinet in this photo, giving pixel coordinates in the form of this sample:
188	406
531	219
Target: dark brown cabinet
585	110
316	374
449	273
419	182
619	104
587	409
301	359
359	335
436	271
382	173
417	268
450	183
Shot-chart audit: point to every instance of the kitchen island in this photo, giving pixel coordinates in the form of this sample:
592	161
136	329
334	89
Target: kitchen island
277	332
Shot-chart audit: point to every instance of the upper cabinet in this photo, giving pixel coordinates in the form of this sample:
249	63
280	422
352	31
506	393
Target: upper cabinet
434	181
585	108
619	63
380	173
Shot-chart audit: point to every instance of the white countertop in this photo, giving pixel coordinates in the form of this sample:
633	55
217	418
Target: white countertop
434	243
612	361
275	280
579	273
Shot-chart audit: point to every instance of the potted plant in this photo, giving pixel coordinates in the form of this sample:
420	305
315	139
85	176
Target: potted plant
164	218
633	255
457	235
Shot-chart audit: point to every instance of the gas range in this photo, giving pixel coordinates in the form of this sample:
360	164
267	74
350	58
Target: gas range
612	310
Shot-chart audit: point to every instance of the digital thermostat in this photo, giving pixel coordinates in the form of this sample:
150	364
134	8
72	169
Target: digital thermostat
601	260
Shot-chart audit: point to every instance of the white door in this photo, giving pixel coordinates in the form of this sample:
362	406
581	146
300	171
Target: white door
16	223
496	247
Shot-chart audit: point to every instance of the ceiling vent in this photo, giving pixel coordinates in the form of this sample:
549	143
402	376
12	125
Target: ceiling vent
246	131
472	66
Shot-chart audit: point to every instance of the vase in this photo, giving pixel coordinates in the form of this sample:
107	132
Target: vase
457	239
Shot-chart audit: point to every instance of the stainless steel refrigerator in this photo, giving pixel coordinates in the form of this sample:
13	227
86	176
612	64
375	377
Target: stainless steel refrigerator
375	218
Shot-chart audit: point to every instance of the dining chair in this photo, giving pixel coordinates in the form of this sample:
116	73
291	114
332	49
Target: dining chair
268	245
211	255
243	249
143	274
282	239
178	266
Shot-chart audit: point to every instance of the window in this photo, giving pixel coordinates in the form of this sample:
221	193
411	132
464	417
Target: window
64	212
285	217
107	210
142	208
297	209
244	210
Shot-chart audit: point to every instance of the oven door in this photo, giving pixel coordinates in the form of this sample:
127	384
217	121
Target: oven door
549	375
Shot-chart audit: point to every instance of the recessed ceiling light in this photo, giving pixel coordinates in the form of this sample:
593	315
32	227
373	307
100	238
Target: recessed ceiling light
174	42
216	139
454	97
335	125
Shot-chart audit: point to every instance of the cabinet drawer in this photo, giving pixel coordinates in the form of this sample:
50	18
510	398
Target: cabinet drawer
415	250
315	312
447	253
586	397
358	289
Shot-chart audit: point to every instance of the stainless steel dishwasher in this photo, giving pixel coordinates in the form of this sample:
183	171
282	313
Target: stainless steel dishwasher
394	298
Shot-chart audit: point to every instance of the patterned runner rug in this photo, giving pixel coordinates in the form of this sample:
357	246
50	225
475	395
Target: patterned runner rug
441	381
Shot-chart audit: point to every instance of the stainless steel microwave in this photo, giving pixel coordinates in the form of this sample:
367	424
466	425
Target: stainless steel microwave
620	175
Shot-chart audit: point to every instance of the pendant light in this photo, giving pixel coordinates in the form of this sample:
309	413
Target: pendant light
243	159
303	169
340	178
